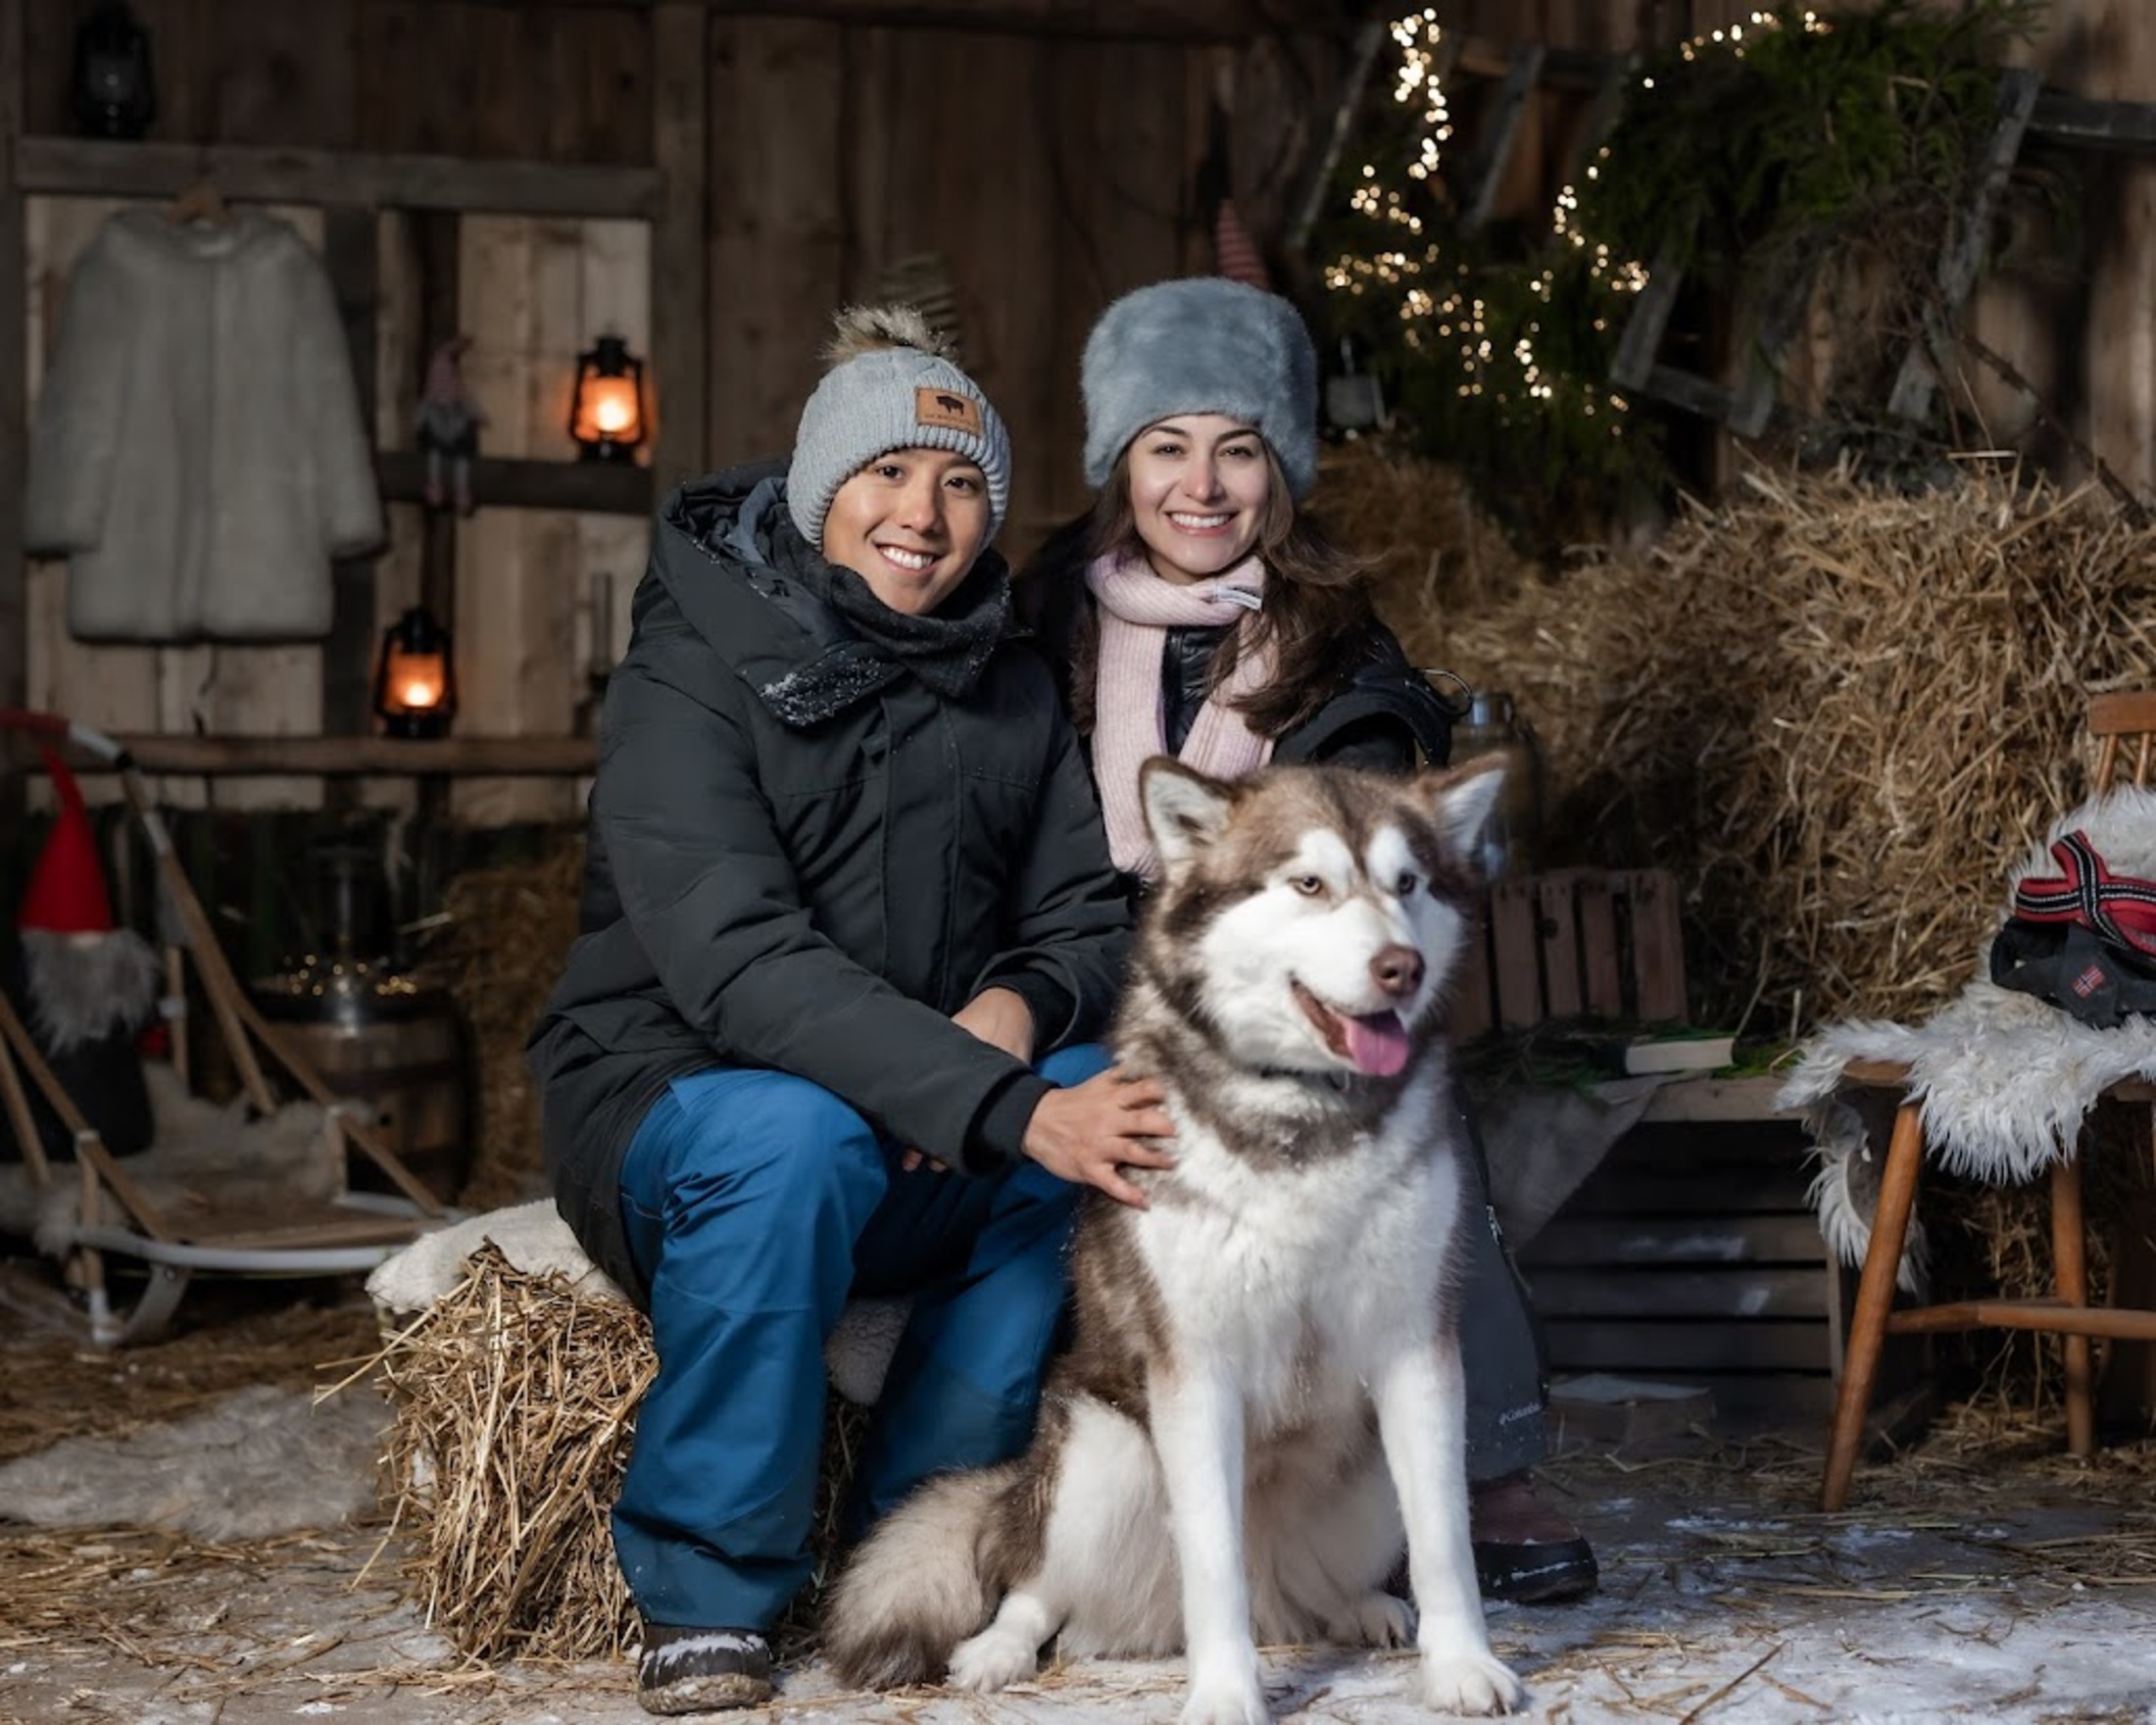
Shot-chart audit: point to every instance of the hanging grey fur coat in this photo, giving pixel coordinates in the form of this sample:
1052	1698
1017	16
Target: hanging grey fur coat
198	453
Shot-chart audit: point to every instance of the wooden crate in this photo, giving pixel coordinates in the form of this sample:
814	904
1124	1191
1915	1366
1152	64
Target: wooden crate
1571	942
1691	1257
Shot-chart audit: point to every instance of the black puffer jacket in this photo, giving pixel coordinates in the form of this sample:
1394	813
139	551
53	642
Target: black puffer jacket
804	858
1384	714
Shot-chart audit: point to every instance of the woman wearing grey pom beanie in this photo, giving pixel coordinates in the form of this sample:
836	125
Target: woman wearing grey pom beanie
1197	609
791	1058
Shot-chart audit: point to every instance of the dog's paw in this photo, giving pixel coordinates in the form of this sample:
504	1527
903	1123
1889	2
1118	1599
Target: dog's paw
1376	1621
993	1659
1468	1683
1227	1701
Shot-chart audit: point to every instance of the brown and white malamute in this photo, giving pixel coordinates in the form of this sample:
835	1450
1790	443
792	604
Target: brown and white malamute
1263	1399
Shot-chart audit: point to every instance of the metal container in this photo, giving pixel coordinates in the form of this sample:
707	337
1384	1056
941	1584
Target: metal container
377	1036
1512	841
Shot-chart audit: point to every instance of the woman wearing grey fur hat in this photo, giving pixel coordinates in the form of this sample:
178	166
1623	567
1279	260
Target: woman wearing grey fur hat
1197	610
792	1059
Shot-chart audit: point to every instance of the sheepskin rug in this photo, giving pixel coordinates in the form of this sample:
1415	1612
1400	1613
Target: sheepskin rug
265	1460
2005	1080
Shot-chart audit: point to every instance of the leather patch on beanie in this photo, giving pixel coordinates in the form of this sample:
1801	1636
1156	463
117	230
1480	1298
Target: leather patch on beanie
947	410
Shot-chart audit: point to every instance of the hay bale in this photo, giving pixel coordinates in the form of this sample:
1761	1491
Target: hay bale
514	1398
1431	546
1839	714
498	949
515	1401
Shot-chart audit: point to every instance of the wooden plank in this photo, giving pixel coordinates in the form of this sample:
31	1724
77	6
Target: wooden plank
1587	1241
995	234
1111	106
1970	237
1473	1008
2122	712
2106	50
1719	1192
611	488
677	281
1641	339
277	75
1232	22
351	257
1731	1291
1523	70
332	755
2124	126
15	608
1558	931
1601	974
99	167
777	235
1657	943
523	283
1515	967
1761	1345
1564	66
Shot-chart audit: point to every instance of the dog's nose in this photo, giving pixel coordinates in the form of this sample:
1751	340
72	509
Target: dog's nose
1397	970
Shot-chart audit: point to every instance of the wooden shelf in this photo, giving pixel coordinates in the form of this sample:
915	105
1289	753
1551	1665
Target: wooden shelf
354	757
617	488
1705	1097
100	167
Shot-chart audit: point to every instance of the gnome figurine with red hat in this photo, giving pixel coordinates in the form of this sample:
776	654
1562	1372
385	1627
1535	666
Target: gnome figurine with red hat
84	988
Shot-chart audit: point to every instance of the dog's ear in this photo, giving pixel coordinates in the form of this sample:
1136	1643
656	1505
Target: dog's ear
1185	811
1465	798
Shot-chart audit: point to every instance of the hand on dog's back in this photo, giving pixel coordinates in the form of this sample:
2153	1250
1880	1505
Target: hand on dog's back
1089	1133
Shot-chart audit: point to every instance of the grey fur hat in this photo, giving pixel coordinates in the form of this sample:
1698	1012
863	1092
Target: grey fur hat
1202	345
892	384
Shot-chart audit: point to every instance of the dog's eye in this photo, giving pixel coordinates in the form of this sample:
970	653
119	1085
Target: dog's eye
1309	885
1405	886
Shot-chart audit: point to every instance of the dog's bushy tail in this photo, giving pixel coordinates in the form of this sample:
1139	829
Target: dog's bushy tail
914	1589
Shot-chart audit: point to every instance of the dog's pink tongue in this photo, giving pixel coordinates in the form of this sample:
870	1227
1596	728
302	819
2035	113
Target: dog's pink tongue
1377	1043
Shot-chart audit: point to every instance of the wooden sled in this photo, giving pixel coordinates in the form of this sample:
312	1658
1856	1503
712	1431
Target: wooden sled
350	1233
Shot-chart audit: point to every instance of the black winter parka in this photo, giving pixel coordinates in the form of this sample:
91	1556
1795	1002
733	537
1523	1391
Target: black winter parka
801	858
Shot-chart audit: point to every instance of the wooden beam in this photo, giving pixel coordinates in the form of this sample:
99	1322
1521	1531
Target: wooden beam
103	168
608	488
1134	20
350	259
681	82
2126	126
381	756
2047	1316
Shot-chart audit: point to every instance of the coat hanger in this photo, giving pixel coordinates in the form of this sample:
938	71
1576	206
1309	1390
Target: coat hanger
201	202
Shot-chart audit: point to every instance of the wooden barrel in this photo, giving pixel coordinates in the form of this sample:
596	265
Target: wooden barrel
405	1058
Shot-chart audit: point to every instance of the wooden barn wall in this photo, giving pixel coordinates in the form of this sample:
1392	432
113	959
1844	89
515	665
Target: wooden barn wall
1045	172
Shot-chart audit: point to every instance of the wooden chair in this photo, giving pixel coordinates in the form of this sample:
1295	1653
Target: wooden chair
2123	724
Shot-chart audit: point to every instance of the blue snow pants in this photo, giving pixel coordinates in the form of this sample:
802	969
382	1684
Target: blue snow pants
756	1203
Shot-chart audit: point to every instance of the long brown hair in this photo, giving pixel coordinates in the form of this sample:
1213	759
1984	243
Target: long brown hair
1317	605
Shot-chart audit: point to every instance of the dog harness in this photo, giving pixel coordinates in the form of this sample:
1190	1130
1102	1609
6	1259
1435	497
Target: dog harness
2084	940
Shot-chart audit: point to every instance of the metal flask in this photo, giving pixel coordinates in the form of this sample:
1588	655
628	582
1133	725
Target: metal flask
1512	840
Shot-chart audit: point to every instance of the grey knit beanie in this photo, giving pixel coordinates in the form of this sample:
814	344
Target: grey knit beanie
1202	345
891	385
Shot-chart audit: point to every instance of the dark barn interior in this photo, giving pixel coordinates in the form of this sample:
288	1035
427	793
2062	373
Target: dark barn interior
1745	418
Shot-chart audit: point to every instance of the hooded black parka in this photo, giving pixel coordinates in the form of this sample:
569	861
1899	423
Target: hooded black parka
803	858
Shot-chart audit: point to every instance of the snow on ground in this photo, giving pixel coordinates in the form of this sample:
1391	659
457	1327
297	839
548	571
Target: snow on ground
2009	1596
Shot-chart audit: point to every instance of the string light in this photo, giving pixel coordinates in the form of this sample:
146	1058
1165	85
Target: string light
1430	314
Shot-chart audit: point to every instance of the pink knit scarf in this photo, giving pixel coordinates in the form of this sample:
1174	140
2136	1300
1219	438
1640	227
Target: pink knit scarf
1137	608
